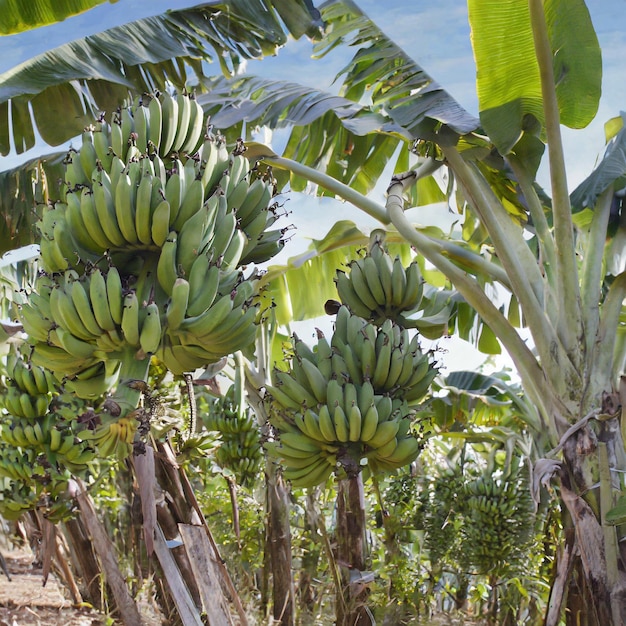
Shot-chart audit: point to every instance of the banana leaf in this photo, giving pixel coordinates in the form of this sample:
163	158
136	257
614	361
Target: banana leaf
508	81
17	16
98	72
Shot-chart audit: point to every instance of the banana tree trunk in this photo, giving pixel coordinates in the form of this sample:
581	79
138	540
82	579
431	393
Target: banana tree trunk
84	559
603	582
351	607
279	548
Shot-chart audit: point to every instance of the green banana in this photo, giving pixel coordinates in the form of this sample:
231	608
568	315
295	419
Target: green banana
371	272
82	304
174	194
349	296
104	305
115	296
223	234
311	476
311	426
294	389
169	116
125	208
90	219
257	198
130	319
340	421
414	288
105	209
195	127
141	118
385	432
156	123
359	281
354	423
160	223
150	335
369	423
73	345
299	441
317	382
143	209
177	305
167	269
398	283
383	362
190	204
204	324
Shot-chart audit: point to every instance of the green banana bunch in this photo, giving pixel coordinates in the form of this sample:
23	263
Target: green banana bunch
214	160
26	433
28	388
322	413
15	497
77	328
113	438
28	377
158	124
54	445
387	356
498	508
239	447
59	249
15	466
203	339
378	287
22	404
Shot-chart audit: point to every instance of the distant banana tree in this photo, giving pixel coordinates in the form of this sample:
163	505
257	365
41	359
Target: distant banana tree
557	261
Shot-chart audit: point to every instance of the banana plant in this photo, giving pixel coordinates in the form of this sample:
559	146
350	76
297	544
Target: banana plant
546	254
549	254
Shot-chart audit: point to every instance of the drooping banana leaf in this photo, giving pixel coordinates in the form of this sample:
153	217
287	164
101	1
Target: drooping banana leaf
611	170
329	132
383	71
17	16
476	399
21	189
97	72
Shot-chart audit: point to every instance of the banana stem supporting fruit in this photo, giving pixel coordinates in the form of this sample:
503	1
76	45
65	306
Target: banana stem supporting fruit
131	369
193	411
373	209
351	549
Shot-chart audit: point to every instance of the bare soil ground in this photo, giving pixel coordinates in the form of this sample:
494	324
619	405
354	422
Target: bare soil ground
24	601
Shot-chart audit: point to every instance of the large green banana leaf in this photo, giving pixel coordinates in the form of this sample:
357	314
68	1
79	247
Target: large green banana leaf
66	87
17	16
508	80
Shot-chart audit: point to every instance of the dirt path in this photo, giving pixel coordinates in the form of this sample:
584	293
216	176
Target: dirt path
24	601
